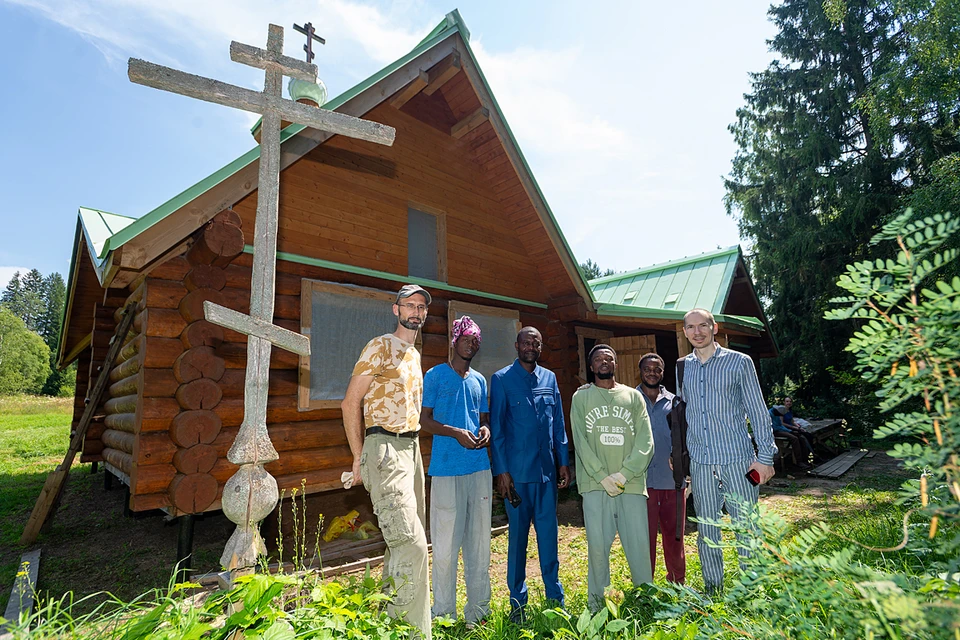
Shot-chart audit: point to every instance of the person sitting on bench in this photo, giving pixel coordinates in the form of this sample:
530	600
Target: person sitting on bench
784	425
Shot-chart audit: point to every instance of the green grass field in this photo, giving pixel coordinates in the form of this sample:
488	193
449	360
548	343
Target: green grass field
34	435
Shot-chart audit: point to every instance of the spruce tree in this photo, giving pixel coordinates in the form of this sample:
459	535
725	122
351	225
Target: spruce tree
815	176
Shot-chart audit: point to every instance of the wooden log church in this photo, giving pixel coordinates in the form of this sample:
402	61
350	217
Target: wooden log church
452	206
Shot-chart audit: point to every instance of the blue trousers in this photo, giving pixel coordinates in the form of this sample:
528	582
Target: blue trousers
538	504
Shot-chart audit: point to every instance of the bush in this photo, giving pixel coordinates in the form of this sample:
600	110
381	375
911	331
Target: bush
24	357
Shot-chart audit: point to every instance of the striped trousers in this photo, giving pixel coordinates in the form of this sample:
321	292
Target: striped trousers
712	485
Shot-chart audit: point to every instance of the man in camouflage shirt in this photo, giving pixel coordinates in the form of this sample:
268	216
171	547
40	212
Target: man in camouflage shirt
385	396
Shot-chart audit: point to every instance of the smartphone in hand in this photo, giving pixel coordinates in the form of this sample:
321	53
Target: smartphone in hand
753	477
514	497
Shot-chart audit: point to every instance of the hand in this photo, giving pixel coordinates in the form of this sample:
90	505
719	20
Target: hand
766	471
564	474
466	439
483	437
504	482
357	479
611	486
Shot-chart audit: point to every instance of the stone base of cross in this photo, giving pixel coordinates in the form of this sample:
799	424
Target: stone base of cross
251	493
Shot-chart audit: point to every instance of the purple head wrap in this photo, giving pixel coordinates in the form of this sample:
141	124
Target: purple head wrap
465	326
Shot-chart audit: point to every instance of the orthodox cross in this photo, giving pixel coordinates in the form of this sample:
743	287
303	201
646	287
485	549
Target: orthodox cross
308	30
251	493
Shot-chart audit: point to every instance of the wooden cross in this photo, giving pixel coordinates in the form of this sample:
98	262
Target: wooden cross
251	494
308	30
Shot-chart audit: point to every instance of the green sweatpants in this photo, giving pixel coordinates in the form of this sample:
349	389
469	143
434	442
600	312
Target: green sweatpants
392	471
603	518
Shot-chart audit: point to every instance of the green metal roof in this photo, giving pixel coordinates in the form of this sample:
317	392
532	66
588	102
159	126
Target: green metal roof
702	281
98	228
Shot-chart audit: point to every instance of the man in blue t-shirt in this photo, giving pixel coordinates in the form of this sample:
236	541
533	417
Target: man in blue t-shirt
455	412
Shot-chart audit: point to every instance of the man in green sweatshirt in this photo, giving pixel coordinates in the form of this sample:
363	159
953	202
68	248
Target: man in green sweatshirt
614	446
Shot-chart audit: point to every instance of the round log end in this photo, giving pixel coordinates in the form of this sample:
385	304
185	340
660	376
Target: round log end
191	428
205	276
202	393
199	362
194	492
201	334
191	306
199	458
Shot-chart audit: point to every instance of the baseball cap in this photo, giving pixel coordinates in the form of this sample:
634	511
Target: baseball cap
408	290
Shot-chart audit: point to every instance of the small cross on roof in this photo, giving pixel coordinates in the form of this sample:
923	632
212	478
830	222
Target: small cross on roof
311	33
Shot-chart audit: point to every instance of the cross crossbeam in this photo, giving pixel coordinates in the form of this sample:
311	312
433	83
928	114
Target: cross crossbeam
242	323
187	84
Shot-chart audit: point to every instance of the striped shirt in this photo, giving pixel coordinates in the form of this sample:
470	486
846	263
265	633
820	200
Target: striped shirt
720	394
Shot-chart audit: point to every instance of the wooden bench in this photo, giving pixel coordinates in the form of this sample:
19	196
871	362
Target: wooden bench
785	450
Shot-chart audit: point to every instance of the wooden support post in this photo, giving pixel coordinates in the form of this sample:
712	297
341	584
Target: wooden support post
184	545
107	480
93	467
470	123
683	345
441	72
416	86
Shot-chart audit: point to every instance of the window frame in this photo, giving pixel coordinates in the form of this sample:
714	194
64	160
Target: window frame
469	308
307	288
441	217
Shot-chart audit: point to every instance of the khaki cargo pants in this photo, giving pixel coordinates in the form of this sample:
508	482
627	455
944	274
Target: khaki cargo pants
392	471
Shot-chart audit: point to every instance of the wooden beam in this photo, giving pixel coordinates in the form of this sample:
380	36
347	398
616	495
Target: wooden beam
412	89
441	72
470	123
78	349
683	345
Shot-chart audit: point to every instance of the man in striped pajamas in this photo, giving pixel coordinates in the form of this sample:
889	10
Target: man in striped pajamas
721	389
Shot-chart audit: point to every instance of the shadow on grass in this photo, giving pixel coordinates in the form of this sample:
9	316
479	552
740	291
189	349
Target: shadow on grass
91	546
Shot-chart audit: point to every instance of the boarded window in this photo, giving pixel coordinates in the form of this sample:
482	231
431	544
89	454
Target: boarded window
499	328
339	319
426	244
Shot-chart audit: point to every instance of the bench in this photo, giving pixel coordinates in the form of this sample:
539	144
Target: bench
827	434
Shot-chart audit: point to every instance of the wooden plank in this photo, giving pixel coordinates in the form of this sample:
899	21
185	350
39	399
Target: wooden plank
20	604
470	123
53	487
839	465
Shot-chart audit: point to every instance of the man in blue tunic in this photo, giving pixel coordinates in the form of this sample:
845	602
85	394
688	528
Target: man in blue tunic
530	462
461	490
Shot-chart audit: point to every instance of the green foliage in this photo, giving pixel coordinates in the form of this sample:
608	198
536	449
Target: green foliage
39	303
265	606
24	357
908	344
591	270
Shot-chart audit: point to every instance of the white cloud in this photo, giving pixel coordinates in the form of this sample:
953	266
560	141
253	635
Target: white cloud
7	273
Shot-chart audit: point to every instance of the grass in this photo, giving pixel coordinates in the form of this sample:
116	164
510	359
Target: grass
91	547
34	435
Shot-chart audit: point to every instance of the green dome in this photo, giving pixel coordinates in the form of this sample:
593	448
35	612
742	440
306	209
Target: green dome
315	91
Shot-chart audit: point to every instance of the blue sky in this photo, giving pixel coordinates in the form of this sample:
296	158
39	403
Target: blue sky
621	108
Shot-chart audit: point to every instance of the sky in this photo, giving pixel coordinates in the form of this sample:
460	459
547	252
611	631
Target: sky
621	108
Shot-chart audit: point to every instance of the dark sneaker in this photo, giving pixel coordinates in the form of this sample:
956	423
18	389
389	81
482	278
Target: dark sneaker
518	615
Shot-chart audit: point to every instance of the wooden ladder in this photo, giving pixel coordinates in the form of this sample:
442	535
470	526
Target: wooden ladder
53	488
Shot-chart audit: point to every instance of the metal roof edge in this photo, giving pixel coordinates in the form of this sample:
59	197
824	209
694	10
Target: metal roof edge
384	275
68	307
627	311
526	165
664	265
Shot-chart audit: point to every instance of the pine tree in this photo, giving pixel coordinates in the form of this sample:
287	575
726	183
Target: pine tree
54	293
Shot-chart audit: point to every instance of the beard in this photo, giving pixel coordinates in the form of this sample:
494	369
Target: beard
604	375
651	386
411	323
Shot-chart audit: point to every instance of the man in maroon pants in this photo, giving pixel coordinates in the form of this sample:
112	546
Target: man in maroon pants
662	494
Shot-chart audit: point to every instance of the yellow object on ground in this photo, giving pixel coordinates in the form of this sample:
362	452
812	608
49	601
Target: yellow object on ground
340	525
